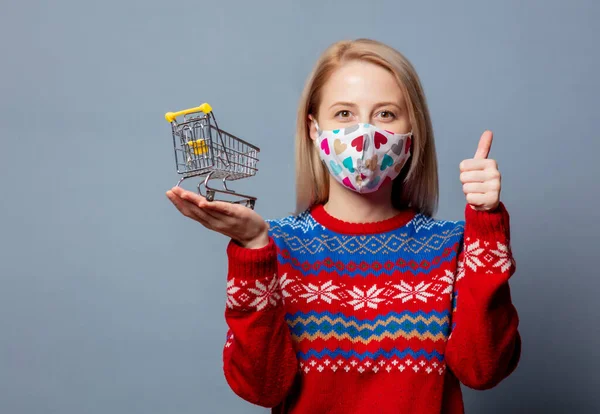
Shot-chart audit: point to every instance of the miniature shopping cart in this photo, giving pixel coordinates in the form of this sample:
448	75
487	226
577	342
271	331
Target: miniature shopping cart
204	150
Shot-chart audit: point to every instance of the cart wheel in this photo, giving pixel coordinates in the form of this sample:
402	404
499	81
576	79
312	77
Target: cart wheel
210	195
250	204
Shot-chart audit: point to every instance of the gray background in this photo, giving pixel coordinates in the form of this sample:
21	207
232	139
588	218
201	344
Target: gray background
112	302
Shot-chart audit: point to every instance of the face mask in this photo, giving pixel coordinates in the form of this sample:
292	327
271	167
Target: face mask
362	156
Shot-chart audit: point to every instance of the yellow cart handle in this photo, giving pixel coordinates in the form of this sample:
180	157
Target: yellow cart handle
205	107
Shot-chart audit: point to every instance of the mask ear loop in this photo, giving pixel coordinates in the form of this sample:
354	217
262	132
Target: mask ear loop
315	141
316	144
317	126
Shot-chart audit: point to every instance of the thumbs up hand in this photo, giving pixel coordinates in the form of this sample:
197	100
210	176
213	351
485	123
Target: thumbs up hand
480	177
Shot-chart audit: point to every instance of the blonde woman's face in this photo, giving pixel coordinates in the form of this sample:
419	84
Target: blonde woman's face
362	92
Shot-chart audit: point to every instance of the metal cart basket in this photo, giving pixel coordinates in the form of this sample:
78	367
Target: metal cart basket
202	149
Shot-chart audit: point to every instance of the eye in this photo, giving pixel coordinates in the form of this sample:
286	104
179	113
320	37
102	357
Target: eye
344	114
387	115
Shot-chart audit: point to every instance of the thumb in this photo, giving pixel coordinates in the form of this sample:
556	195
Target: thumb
485	143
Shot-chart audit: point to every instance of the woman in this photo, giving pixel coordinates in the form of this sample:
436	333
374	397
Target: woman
361	301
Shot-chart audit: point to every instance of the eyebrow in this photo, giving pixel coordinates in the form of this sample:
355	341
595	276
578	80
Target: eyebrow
354	105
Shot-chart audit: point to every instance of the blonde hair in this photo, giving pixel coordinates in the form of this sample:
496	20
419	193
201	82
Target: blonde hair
417	185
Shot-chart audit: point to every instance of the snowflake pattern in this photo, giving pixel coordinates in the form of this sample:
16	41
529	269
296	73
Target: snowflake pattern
448	278
472	255
265	294
370	297
460	269
229	340
243	294
504	258
477	257
408	292
284	283
323	292
309	282
232	289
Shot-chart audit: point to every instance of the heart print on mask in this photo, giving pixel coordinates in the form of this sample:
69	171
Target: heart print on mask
363	156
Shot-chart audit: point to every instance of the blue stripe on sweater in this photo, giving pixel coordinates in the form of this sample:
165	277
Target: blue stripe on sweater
347	318
373	355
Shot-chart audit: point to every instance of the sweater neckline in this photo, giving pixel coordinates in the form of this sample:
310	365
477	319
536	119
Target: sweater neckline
334	224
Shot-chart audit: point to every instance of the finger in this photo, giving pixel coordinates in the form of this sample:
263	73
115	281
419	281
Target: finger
217	208
476	199
485	144
471	164
180	191
475	176
222	215
191	196
218	221
192	211
181	204
203	216
174	198
222	207
475	188
197	200
202	203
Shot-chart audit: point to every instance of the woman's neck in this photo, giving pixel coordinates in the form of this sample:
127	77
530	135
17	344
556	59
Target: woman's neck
353	207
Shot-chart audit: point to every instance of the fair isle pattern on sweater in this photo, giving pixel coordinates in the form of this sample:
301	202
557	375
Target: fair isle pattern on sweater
336	317
414	264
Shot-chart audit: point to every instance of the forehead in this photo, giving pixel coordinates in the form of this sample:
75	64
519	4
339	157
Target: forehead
361	82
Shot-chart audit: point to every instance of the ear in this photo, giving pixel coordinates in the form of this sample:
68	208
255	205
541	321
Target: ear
312	129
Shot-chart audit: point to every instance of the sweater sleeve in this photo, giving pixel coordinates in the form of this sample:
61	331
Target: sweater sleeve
259	361
484	345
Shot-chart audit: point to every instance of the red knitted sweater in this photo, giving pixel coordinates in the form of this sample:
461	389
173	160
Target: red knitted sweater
385	317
